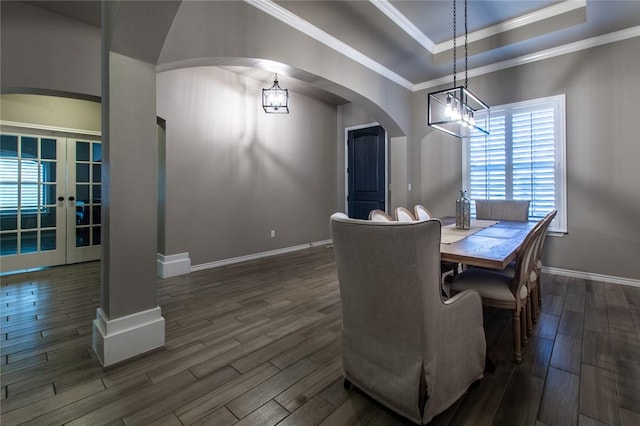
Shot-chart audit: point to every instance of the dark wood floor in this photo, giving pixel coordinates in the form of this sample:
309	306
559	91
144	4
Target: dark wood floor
258	343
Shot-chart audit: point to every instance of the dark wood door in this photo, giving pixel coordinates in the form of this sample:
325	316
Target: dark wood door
366	171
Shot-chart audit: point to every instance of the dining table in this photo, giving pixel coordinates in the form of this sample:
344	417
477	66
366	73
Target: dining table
489	244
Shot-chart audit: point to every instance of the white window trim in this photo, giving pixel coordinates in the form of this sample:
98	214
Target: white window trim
559	225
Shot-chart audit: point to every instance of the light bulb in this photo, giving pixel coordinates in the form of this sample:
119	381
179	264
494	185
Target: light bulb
455	114
447	110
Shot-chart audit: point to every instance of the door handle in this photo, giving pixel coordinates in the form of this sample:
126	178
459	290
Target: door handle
72	198
60	198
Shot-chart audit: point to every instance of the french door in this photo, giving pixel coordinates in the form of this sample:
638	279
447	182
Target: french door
50	200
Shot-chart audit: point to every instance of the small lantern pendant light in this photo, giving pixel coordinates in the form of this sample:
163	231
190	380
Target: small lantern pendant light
275	100
456	111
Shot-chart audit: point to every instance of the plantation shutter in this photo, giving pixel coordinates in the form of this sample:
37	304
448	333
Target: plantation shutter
533	159
519	159
487	155
10	175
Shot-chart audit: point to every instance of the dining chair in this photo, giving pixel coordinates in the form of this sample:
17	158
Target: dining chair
536	273
402	214
379	216
535	290
421	212
401	343
503	291
517	210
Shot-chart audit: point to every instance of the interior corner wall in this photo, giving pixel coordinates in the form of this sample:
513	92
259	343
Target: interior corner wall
235	173
436	162
399	195
603	201
162	163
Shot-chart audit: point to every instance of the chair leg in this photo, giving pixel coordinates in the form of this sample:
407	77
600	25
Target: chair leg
517	349
523	324
529	316
535	308
539	285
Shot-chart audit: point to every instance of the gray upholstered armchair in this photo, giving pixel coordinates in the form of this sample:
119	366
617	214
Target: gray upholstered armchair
401	343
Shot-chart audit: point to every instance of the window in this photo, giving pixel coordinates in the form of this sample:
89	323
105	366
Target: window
522	159
25	180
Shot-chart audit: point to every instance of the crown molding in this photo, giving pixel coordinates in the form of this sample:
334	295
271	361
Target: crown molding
539	56
512	24
404	23
294	21
280	13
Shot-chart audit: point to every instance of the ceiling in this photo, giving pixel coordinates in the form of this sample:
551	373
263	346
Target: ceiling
411	41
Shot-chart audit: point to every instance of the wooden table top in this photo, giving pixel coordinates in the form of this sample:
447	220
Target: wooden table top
492	247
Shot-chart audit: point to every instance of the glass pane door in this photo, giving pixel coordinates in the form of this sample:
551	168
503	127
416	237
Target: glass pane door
32	219
84	217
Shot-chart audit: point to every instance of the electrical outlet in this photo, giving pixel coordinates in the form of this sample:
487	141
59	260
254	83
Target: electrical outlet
409	187
273	233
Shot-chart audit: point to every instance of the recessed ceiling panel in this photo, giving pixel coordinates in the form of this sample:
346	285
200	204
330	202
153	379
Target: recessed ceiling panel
435	18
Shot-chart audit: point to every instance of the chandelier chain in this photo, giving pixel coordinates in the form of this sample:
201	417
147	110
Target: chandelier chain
454	43
466	47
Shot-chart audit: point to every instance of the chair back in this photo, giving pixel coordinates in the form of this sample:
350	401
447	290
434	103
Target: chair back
525	261
379	216
517	210
388	274
404	215
389	280
421	213
539	244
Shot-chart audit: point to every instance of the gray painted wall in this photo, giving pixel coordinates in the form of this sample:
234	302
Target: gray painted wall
234	173
603	176
52	111
47	51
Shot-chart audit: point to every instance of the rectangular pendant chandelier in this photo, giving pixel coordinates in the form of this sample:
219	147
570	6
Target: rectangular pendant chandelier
458	112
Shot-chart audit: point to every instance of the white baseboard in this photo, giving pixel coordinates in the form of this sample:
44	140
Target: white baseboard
173	265
546	269
125	337
590	276
255	256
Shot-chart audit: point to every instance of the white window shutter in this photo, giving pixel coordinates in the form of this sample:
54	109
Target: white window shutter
522	158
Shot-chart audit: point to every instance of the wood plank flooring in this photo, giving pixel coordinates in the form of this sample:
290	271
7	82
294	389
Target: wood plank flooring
258	343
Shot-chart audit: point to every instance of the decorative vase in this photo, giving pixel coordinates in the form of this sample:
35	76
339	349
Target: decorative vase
463	211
